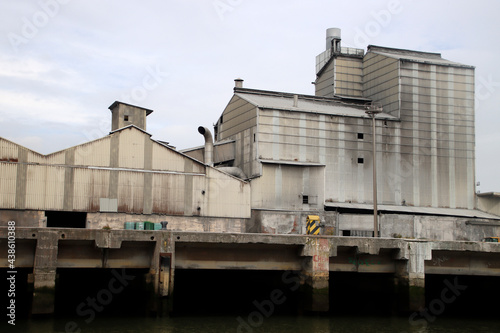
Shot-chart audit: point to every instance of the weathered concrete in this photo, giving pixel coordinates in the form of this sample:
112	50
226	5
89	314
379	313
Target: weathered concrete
44	272
47	249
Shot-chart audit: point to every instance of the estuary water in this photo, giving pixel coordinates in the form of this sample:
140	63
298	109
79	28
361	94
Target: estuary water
273	324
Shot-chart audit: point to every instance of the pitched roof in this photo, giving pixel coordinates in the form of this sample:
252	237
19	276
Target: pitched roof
307	103
414	56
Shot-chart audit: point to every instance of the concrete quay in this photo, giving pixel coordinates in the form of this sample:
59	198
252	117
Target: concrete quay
309	259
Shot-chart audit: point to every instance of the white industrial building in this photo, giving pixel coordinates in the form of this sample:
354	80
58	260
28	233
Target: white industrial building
313	154
278	157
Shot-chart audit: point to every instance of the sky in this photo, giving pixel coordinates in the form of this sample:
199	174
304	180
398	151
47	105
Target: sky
64	62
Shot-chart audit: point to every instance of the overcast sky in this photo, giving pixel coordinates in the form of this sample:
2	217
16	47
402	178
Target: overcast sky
63	62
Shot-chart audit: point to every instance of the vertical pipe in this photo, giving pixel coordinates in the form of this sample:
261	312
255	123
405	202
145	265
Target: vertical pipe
209	145
375	210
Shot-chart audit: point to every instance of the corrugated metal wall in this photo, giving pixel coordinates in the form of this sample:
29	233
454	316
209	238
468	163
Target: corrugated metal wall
144	176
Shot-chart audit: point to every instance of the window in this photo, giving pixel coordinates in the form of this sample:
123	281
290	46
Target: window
125	118
360	136
361	160
305	199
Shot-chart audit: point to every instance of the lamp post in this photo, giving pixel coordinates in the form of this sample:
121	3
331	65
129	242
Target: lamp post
372	109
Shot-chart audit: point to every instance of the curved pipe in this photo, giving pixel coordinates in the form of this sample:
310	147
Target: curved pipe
209	145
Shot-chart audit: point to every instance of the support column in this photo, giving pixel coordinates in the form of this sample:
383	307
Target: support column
165	281
44	272
316	271
410	278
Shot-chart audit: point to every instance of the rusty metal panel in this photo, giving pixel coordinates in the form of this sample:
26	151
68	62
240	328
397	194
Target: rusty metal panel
8	175
168	194
130	192
89	185
9	151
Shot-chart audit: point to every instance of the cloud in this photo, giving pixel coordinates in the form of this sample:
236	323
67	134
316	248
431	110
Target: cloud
92	52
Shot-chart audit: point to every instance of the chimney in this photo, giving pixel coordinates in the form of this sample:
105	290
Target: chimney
123	114
333	39
295	101
238	83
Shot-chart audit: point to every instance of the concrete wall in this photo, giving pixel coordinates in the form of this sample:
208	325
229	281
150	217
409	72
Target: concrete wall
289	222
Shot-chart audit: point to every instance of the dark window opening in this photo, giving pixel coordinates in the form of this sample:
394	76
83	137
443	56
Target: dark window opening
361	136
305	199
346	232
56	219
361	160
125	118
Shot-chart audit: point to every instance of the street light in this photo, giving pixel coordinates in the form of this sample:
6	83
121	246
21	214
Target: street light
372	109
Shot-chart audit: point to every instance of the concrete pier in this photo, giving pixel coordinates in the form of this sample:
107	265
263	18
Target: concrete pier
312	258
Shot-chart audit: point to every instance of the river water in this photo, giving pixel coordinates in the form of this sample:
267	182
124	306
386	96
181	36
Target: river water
273	324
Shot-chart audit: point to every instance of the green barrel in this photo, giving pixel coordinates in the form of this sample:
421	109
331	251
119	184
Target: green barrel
129	225
149	225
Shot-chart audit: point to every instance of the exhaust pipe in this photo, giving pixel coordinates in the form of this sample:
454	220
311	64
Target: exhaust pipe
209	145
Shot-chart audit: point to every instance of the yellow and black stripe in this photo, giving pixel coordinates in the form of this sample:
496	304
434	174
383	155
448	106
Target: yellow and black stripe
312	225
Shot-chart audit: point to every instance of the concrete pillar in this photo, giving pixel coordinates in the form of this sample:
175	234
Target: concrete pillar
165	286
44	272
316	274
410	278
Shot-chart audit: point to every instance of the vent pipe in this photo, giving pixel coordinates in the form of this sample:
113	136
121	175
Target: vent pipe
209	145
238	83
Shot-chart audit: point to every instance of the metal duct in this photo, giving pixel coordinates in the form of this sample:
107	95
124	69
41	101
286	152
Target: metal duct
209	145
234	171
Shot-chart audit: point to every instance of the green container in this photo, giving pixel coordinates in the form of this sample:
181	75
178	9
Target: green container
139	225
129	225
157	226
149	225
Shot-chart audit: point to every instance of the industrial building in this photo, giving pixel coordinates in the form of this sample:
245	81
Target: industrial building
312	154
124	176
278	157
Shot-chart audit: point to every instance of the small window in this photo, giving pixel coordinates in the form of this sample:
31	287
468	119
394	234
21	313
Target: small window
346	233
125	118
305	199
361	160
360	136
254	136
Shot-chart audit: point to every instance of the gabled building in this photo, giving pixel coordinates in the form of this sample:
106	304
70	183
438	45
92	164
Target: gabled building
124	176
312	154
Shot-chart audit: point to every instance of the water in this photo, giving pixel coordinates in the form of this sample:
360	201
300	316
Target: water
273	324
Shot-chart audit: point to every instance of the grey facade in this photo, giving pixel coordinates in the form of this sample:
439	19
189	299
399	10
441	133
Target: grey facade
313	154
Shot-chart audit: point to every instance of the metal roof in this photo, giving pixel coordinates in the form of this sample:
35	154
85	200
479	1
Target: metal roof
298	163
414	56
416	210
305	103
